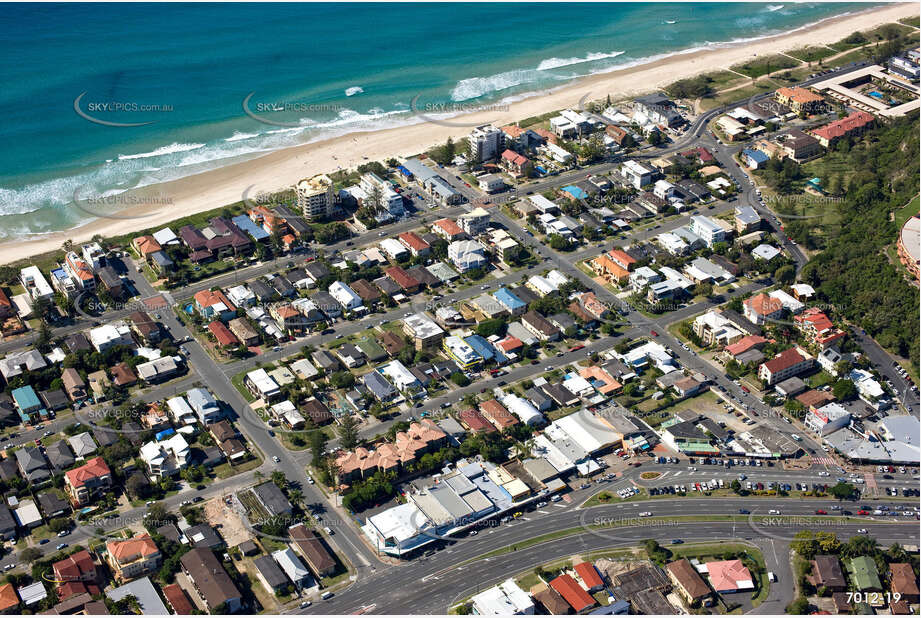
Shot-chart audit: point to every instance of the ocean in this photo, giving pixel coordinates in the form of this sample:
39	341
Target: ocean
102	98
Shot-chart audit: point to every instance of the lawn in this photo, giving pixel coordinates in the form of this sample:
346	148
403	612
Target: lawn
762	66
906	212
738	94
226	470
813	53
237	381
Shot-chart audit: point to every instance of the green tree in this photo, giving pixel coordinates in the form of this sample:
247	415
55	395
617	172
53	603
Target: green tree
844	389
348	432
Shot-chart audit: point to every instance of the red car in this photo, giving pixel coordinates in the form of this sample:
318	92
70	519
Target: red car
745	388
821	512
576	348
653	333
863	512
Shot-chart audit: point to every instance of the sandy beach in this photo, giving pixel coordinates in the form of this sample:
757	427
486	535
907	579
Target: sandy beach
281	169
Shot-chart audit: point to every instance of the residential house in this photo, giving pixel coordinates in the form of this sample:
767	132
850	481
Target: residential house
133	557
787	364
211	580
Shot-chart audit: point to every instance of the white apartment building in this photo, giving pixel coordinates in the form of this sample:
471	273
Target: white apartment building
35	283
391	201
345	295
93	255
315	196
485	143
709	230
474	222
637	174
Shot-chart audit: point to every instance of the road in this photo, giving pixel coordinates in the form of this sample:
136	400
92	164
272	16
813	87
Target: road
436	578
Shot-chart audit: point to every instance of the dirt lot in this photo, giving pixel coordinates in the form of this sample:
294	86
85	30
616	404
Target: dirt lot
232	529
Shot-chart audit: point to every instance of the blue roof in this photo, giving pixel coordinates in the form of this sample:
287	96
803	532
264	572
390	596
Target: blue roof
246	224
755	155
508	299
575	191
405	171
481	346
25	398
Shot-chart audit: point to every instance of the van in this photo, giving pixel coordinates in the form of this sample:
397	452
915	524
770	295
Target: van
771	576
326	595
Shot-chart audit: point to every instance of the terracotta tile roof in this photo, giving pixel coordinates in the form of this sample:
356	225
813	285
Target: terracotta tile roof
547	135
123	375
685	573
764	305
497	414
606	265
8	597
475	421
178	600
574	594
622	257
449	227
130	549
147	245
401	278
745	343
903	579
510	344
592	305
784	360
728	575
799	95
514	158
844	126
76	567
589	575
207	298
413	242
597	373
92	469
222	333
815	398
512	130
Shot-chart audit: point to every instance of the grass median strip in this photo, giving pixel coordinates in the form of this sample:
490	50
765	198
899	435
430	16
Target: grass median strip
628	522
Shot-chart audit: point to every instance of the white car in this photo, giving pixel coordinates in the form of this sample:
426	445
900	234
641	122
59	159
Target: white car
276	459
646	514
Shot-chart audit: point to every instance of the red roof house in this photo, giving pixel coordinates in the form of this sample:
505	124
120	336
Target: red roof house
574	594
589	576
222	334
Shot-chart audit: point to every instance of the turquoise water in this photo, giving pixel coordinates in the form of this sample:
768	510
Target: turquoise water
185	70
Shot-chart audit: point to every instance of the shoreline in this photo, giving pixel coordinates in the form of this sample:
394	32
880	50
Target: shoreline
281	169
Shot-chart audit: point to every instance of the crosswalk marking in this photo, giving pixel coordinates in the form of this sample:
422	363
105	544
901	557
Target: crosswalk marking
822	461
